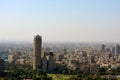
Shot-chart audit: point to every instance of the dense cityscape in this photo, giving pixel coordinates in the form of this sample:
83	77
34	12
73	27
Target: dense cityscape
59	40
73	61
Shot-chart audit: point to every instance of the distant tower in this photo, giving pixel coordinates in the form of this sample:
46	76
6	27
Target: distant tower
118	49
37	53
103	48
115	49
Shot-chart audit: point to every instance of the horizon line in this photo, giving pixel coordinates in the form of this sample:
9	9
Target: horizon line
19	41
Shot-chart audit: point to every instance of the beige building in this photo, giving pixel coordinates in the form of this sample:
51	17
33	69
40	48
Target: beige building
10	58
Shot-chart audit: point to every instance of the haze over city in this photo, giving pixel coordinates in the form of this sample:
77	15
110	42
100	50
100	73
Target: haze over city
63	20
59	40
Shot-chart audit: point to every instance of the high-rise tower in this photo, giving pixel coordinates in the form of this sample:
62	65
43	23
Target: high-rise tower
37	64
103	48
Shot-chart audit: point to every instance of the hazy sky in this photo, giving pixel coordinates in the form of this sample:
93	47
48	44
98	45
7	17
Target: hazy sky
60	20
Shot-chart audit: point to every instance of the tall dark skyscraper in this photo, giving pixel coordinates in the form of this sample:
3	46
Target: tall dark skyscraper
37	64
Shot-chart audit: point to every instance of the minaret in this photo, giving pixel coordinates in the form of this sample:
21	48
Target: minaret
37	52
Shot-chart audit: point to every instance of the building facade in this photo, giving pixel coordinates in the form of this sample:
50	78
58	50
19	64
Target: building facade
37	64
2	67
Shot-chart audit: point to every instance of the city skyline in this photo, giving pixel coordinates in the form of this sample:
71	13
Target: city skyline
63	20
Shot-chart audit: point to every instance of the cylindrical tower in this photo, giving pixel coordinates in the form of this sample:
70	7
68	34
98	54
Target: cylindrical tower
37	52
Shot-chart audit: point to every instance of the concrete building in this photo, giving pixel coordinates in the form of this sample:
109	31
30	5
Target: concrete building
11	58
2	67
103	48
118	49
50	63
37	64
44	64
